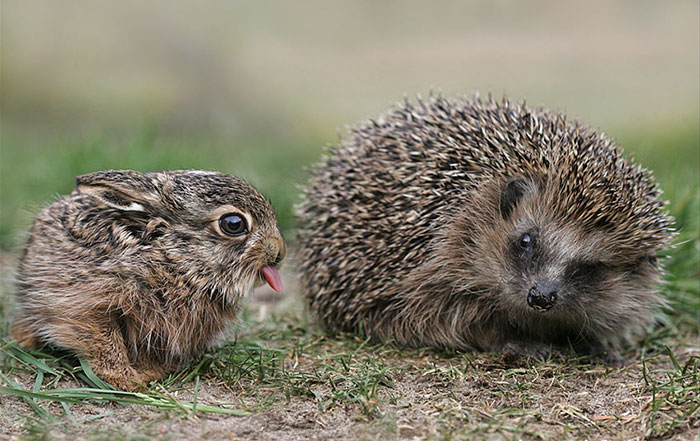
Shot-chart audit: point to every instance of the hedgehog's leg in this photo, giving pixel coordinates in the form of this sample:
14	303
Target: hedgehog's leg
613	358
539	351
609	355
496	338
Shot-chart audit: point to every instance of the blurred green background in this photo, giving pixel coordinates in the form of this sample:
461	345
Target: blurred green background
257	89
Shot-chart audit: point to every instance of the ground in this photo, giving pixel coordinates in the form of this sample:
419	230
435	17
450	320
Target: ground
290	381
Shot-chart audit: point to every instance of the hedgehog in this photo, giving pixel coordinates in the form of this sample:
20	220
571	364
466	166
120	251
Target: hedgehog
476	224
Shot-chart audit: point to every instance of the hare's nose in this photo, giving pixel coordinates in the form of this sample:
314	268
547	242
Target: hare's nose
275	250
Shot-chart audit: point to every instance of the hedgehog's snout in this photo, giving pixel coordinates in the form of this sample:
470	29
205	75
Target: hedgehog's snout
543	295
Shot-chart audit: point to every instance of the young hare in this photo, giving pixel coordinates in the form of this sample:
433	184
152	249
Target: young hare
139	272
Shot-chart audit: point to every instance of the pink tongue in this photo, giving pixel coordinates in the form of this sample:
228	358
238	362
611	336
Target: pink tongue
272	277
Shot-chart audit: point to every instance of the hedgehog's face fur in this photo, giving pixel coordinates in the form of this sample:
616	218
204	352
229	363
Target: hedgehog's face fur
204	231
552	278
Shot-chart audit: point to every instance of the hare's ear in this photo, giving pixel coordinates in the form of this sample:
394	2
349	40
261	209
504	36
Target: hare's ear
121	189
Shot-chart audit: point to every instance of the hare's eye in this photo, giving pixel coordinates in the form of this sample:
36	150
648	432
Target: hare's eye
233	224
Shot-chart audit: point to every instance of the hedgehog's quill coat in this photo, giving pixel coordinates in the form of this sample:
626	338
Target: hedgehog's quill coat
482	224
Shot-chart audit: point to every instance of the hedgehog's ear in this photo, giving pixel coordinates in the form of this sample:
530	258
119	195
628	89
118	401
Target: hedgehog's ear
121	189
511	195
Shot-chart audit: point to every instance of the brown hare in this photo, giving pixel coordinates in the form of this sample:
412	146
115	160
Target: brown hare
139	272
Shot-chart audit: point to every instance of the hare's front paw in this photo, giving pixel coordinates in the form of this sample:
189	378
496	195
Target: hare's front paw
126	378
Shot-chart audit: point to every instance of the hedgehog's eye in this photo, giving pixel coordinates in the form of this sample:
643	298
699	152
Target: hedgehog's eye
526	241
233	224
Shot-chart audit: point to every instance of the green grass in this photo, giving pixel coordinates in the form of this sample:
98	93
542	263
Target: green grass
283	361
259	377
50	369
675	393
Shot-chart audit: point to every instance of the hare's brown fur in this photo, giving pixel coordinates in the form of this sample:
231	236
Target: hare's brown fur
130	271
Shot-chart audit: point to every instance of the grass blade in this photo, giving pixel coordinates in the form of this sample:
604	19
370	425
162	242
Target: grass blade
83	395
25	357
94	380
18	391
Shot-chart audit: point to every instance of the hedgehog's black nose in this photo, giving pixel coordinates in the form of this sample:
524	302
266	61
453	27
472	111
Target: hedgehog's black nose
543	295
